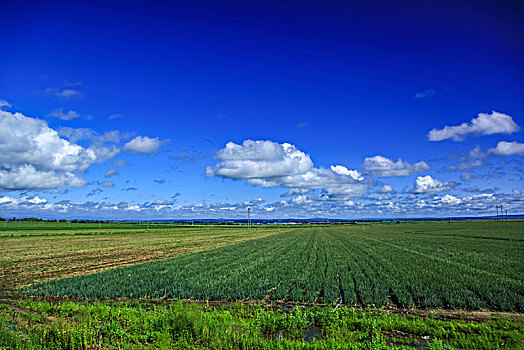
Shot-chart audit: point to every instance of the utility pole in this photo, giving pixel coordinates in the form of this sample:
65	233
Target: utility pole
248	217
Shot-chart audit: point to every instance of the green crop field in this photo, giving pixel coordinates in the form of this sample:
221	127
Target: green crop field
465	265
397	283
40	251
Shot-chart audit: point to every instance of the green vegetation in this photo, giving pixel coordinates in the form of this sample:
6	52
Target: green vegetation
40	251
467	265
393	269
27	324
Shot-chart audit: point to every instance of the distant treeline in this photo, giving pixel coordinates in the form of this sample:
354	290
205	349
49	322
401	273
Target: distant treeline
57	220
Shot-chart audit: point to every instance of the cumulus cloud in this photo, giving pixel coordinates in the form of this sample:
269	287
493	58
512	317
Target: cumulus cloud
425	93
475	158
107	183
24	199
260	160
34	156
484	124
449	199
386	189
144	145
427	184
342	170
270	164
24	177
384	167
100	143
294	191
301	206
505	148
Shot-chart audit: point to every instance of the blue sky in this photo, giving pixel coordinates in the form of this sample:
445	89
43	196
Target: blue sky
297	109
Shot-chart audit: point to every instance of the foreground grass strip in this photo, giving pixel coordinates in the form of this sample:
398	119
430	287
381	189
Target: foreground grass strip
28	324
382	265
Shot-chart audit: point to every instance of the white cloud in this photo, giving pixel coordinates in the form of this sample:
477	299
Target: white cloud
425	93
59	113
33	156
386	189
294	191
484	124
24	199
99	145
270	164
505	148
260	159
384	167
449	199
69	93
427	184
64	93
111	172
28	177
144	145
4	103
342	170
299	207
76	134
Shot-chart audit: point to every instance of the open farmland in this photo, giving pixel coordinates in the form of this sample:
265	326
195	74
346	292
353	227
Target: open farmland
33	252
467	265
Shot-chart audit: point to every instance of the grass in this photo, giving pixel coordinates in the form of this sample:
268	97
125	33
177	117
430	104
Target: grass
34	252
35	324
466	266
31	254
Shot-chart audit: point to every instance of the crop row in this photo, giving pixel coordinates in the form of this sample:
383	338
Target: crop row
320	265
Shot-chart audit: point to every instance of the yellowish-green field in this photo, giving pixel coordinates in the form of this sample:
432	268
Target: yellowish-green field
33	252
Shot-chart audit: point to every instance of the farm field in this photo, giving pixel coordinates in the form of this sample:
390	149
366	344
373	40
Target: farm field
128	287
33	252
458	265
